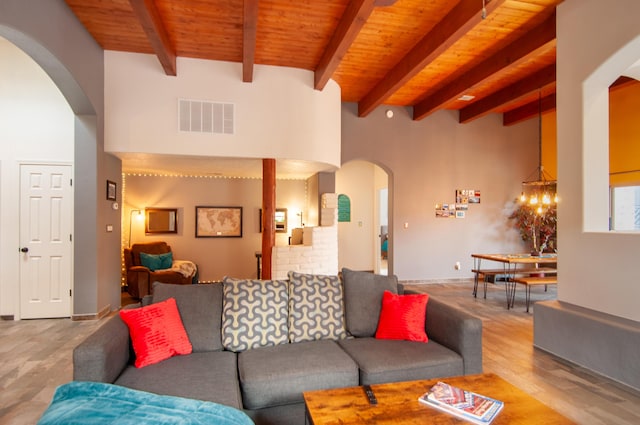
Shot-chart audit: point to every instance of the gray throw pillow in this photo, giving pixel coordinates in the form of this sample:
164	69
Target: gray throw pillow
200	308
363	300
254	313
316	308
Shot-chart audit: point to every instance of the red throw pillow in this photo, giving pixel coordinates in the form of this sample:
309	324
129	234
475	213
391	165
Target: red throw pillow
157	332
403	317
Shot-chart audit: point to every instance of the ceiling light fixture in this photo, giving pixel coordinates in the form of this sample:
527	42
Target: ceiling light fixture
540	193
466	97
484	10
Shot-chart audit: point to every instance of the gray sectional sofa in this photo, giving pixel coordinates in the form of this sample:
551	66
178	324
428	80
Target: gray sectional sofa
258	345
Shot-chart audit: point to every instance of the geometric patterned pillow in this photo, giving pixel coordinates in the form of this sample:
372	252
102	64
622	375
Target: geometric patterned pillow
254	313
316	309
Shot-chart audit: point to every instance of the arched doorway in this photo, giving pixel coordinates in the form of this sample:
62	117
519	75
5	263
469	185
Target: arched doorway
75	63
365	242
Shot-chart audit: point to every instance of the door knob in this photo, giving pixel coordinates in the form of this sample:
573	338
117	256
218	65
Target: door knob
24	249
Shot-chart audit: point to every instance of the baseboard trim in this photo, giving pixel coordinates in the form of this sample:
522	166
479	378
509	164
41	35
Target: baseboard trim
432	281
102	313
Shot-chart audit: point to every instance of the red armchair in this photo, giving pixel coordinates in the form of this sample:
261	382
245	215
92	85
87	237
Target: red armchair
140	278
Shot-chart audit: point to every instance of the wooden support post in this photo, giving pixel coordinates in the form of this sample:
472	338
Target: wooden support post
268	214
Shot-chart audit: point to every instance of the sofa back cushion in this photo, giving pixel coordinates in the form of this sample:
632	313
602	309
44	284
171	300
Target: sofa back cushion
316	308
254	313
200	307
363	300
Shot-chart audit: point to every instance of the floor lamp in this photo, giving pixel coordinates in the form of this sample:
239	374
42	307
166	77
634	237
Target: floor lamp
139	215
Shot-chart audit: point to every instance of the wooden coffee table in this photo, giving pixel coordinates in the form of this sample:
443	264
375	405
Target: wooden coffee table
398	404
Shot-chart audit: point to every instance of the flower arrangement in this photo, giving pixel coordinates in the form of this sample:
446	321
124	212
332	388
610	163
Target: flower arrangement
537	226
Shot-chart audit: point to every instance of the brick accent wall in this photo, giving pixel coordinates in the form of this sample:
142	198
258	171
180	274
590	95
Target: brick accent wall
319	252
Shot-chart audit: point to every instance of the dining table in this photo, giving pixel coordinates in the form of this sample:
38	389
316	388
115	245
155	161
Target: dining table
512	265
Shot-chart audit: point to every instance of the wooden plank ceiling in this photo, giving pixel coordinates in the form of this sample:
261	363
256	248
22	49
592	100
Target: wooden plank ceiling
421	53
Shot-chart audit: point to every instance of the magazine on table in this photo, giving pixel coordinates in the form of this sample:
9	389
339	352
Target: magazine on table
468	405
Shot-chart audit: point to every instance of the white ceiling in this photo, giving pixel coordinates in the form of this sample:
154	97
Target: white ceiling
151	164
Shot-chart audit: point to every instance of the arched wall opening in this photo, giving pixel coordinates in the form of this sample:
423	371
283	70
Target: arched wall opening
59	44
361	240
596	134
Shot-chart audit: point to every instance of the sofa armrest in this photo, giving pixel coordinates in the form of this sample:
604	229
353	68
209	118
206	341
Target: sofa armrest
139	281
456	330
139	269
104	354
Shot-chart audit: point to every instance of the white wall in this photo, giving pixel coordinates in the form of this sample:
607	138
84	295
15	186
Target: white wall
597	269
278	115
36	126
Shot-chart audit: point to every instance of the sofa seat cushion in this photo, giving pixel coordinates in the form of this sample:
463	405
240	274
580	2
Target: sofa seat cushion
279	375
382	360
210	376
200	307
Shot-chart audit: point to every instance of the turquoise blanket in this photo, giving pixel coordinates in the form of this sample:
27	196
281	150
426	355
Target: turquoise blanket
97	403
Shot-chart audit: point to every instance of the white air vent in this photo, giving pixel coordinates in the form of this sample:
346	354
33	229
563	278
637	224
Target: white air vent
201	116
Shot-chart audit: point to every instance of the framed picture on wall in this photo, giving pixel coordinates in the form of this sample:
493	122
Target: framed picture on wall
111	190
161	220
280	220
218	222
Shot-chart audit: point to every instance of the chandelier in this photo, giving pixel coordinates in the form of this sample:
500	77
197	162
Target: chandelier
540	194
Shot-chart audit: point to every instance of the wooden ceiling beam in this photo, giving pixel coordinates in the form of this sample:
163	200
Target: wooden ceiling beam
526	86
462	18
529	110
531	43
385	3
149	18
249	34
352	21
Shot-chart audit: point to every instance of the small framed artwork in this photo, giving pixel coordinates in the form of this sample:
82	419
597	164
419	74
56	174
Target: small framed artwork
218	222
161	220
467	196
111	190
280	220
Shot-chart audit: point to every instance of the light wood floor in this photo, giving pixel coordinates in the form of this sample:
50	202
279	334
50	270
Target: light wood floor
35	357
508	351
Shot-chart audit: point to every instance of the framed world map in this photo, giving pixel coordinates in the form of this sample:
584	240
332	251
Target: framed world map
218	222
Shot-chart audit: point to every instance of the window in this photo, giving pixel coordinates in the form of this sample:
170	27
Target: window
625	208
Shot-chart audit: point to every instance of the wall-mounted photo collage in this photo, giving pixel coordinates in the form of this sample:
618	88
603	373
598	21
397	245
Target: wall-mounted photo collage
459	208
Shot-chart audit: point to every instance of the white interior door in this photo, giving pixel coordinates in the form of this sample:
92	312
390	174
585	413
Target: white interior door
45	241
